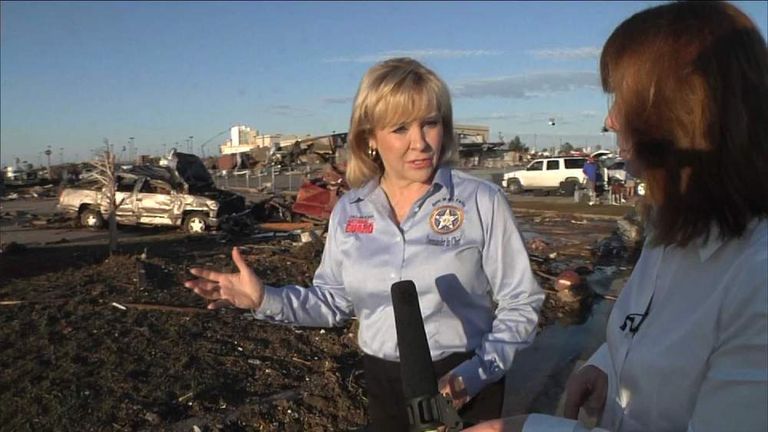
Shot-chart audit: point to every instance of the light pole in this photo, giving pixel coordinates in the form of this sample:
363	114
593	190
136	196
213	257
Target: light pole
131	150
48	154
191	144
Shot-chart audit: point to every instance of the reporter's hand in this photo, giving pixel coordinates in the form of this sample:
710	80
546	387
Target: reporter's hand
244	290
509	424
587	389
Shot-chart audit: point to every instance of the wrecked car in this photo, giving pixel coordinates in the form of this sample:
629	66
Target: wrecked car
180	194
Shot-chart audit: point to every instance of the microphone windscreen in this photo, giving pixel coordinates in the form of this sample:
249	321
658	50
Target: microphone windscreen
415	360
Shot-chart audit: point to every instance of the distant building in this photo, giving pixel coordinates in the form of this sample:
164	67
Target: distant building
244	139
471	133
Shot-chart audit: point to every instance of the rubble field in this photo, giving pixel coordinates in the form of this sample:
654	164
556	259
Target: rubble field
90	342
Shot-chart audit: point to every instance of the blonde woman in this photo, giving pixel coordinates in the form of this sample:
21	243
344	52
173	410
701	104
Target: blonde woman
410	216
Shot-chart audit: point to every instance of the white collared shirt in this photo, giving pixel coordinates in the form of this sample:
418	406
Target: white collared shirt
461	247
699	360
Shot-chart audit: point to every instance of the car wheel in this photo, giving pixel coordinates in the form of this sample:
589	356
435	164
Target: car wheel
514	186
91	218
195	223
568	186
640	189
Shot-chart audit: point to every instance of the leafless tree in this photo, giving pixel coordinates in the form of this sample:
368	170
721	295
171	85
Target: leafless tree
106	175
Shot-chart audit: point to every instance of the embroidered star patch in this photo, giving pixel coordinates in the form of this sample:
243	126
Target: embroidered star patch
446	219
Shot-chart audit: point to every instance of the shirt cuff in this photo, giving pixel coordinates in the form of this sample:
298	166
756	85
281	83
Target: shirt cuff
545	423
271	305
601	359
477	374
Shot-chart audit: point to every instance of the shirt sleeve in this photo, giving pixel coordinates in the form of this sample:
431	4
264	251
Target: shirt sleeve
547	423
324	304
734	393
516	293
601	359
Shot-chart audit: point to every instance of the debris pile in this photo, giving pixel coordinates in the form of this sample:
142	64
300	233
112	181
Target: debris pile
574	264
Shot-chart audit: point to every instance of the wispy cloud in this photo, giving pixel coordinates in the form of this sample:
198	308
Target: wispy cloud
289	110
417	54
526	86
338	100
518	118
567	53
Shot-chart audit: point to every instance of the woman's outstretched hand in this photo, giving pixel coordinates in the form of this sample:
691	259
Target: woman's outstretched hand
244	290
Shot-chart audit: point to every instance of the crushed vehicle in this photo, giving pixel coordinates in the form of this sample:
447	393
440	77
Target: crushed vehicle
181	194
318	196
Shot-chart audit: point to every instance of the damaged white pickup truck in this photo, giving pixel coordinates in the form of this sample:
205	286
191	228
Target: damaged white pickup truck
181	194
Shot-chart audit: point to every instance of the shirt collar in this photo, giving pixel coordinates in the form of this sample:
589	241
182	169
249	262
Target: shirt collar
443	178
708	248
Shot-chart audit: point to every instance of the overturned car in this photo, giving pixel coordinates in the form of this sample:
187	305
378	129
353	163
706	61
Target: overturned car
180	194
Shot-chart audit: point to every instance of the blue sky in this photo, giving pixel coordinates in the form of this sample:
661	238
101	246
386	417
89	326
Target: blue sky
74	73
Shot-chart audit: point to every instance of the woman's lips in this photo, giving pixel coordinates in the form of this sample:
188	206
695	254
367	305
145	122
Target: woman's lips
421	163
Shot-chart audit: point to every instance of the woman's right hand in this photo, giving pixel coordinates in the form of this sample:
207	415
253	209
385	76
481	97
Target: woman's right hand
586	389
244	290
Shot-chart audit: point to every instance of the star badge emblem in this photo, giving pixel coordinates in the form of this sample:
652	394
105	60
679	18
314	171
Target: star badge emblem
446	219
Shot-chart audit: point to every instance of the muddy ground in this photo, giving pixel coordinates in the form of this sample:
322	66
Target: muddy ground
92	343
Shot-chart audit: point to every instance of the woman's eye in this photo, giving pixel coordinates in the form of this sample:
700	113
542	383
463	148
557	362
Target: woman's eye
400	129
432	123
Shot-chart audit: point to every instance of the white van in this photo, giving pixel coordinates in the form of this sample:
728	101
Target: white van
545	174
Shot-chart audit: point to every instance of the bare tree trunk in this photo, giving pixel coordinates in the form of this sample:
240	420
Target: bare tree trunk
106	173
112	231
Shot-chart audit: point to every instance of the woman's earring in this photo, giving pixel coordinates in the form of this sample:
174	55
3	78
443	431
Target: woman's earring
372	152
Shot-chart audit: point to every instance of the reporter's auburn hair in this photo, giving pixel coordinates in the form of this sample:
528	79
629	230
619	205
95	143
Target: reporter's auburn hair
398	90
690	81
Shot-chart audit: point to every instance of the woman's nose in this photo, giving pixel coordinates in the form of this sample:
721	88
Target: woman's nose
610	122
418	138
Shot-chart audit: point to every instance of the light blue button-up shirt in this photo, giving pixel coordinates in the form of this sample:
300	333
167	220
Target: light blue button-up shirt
459	244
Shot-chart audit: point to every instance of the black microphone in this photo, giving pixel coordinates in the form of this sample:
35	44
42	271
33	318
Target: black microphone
427	408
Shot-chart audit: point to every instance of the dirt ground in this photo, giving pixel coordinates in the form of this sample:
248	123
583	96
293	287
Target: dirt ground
93	343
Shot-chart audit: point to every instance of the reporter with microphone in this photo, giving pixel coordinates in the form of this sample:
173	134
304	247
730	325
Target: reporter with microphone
410	217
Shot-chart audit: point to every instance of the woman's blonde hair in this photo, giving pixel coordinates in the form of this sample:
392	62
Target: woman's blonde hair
395	91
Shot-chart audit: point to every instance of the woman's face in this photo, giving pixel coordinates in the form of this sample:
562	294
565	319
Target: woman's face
410	152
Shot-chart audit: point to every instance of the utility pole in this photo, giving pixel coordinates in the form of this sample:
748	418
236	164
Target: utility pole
48	154
131	150
191	144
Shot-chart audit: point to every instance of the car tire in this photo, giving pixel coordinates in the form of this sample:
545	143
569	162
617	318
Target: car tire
640	189
91	219
514	186
195	223
568	186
